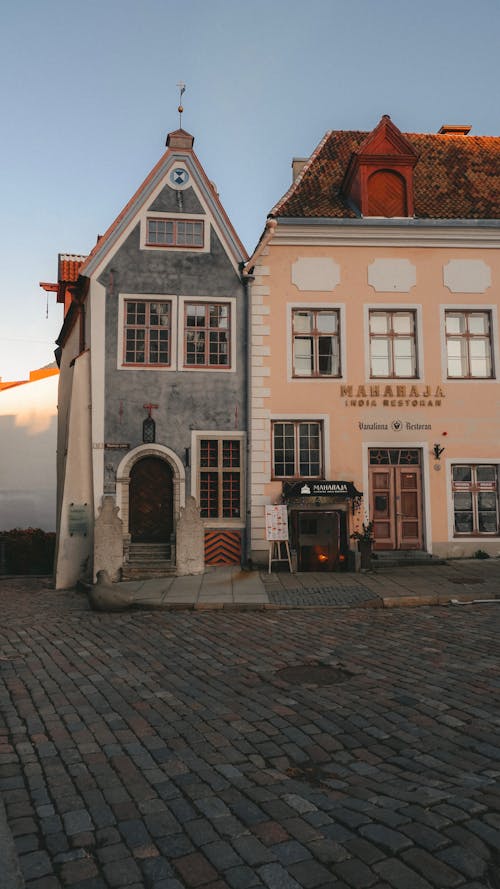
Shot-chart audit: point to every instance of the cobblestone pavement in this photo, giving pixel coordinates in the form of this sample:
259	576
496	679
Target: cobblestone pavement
181	749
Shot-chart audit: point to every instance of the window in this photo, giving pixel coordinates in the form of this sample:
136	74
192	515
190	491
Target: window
297	449
174	233
207	335
316	351
468	345
475	499
220	478
147	332
393	352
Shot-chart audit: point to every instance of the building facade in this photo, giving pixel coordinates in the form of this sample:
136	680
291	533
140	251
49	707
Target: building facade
375	363
152	397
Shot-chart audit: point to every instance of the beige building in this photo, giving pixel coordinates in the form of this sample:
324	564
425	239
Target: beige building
375	360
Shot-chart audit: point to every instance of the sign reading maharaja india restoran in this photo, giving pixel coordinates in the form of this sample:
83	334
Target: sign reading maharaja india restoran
394	395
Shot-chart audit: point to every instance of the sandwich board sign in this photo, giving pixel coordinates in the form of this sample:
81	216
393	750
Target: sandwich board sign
276	522
277	534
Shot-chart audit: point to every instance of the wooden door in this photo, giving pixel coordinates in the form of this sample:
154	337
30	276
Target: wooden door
382	506
408	507
396	507
151	501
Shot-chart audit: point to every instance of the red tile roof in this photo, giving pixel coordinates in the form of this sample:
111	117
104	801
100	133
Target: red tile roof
69	267
456	177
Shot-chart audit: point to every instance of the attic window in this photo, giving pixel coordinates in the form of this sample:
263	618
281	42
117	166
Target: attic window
174	232
387	194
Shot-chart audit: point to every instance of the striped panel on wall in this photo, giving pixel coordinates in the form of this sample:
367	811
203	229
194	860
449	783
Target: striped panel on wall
222	547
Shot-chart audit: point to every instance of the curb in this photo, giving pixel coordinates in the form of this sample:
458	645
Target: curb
436	600
11	877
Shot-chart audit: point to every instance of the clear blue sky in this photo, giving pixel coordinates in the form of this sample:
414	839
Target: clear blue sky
88	94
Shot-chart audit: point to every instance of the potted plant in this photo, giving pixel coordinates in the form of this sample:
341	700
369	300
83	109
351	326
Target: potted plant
364	538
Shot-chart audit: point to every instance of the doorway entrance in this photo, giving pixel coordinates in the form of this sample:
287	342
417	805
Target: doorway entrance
318	539
396	498
151	501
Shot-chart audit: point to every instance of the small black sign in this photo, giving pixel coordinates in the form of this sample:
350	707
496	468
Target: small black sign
320	488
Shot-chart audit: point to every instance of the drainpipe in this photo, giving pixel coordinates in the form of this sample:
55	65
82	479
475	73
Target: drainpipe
246	280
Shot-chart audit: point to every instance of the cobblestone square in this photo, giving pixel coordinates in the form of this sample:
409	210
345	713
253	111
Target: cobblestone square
169	749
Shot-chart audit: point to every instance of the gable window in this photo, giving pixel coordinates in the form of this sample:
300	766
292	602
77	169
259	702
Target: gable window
468	345
174	232
207	330
297	449
220	478
475	499
147	332
316	346
393	347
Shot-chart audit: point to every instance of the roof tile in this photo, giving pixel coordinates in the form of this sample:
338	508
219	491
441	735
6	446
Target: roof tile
456	177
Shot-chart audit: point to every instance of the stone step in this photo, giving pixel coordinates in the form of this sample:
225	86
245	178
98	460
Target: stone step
404	558
145	570
146	552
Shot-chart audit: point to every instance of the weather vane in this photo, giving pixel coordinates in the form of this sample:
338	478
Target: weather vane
182	90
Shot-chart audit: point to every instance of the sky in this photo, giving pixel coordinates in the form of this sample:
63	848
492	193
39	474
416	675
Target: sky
89	92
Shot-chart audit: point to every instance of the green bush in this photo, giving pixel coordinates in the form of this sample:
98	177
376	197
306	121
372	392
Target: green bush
27	551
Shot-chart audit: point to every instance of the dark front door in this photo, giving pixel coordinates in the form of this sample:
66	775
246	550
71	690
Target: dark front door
151	501
396	498
318	536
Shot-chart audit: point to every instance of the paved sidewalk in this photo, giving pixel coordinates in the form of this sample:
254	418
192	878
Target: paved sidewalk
230	588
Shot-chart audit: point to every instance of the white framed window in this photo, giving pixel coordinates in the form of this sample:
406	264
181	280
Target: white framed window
147	332
475	499
468	344
206	334
297	449
175	232
316	342
218	476
393	344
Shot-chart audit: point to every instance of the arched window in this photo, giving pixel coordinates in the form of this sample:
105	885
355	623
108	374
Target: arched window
387	194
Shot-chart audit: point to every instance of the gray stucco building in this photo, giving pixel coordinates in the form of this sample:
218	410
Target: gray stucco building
152	398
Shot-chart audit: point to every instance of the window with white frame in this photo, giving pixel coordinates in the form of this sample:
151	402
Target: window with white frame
468	345
174	232
393	344
207	335
147	331
297	449
220	477
316	342
475	499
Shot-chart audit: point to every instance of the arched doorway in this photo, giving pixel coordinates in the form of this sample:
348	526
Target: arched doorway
151	510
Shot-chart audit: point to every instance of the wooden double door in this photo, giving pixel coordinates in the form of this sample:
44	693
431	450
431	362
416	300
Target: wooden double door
151	501
396	498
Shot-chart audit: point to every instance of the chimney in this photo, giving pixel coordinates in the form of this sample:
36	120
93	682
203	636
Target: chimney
452	129
298	164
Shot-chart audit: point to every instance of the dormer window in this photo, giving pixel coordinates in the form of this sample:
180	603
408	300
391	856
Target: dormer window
174	232
379	178
386	194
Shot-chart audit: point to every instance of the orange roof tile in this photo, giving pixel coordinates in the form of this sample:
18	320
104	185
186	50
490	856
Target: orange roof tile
69	267
455	177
